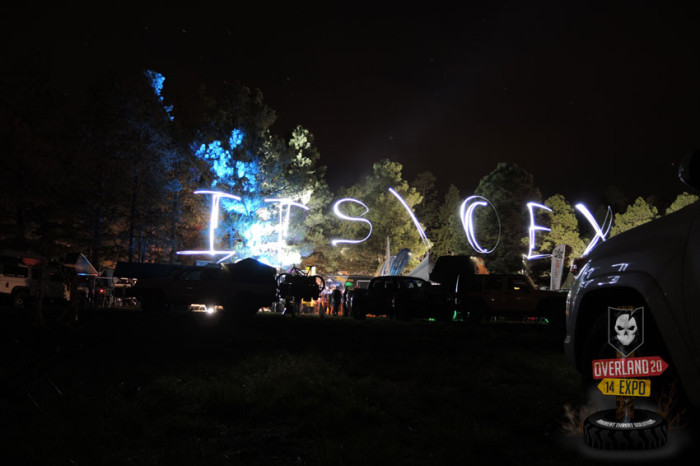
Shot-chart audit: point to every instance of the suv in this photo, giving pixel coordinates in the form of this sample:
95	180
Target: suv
401	297
655	266
482	296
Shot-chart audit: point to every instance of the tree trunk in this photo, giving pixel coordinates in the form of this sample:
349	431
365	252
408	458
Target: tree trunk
39	320
132	220
96	243
174	216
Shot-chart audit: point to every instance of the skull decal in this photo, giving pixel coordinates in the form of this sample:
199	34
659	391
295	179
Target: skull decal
626	329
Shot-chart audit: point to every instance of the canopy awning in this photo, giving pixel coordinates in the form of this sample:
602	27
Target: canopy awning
81	264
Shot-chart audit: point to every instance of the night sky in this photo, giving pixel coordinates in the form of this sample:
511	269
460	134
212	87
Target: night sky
580	95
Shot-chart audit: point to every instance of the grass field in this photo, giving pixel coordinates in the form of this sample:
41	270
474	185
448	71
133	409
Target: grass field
127	388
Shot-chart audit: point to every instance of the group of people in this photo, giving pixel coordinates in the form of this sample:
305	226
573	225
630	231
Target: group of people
333	302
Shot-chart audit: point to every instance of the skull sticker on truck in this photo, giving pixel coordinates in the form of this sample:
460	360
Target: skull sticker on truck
625	329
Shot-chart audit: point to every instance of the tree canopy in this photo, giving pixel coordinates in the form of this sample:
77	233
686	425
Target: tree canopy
636	214
564	228
448	235
116	176
508	188
684	199
390	220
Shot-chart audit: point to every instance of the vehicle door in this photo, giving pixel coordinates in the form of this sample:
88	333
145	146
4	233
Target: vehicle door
14	276
215	286
407	288
391	288
376	293
187	286
518	295
424	295
493	292
420	291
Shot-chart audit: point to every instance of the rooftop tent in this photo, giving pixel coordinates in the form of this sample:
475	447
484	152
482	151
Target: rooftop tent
25	257
81	264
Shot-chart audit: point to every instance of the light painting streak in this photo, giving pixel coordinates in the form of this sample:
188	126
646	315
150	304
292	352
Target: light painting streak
535	228
421	232
284	221
466	214
341	215
213	224
284	216
599	233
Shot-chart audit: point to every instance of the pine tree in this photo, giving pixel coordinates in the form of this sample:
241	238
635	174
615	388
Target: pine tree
564	228
508	188
683	200
636	214
449	237
388	216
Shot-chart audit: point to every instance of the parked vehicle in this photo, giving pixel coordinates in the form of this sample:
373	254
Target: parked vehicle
401	297
351	284
483	296
242	288
23	272
298	291
655	266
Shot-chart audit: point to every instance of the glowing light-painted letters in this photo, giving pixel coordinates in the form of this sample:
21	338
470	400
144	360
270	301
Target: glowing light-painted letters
466	214
534	228
599	233
285	213
283	230
213	224
467	209
341	215
421	232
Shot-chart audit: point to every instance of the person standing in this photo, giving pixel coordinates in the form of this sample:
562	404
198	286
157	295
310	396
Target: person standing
336	298
346	309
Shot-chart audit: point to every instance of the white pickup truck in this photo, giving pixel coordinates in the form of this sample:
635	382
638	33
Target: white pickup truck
655	266
21	274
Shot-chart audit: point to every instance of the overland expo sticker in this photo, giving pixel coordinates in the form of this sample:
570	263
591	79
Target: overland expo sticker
624	425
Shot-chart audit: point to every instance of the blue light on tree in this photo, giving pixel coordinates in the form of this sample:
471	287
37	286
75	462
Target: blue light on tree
246	222
226	169
243	223
236	138
157	81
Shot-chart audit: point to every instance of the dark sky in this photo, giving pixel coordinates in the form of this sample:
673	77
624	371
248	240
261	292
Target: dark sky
580	94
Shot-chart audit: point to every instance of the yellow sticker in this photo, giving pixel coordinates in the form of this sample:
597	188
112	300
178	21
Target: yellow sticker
625	387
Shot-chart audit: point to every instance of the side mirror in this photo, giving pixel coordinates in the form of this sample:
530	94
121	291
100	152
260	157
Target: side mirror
689	170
